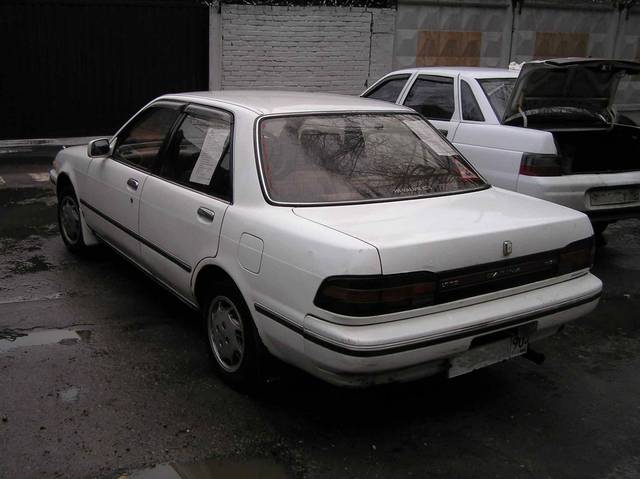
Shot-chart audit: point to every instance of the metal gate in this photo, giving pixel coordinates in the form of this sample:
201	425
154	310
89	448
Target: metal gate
76	68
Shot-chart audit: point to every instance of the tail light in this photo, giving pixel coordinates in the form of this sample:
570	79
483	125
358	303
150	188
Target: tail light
374	295
534	164
576	256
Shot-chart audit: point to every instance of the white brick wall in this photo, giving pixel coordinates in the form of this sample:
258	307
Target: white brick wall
383	34
332	49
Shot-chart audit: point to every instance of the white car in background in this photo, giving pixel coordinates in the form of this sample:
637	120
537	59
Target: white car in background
548	130
342	235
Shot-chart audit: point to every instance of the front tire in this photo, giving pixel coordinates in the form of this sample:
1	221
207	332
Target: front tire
234	343
69	221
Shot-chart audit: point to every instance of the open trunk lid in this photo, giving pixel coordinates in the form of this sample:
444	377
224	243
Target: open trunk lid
566	93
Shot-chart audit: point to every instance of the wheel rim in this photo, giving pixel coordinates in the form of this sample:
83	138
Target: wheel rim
226	334
70	219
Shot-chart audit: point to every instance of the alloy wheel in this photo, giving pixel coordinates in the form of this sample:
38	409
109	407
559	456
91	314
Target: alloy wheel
70	219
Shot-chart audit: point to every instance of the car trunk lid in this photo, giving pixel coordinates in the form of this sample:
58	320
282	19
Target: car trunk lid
455	231
566	93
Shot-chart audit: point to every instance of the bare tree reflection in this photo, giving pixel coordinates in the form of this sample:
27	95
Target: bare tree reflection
360	156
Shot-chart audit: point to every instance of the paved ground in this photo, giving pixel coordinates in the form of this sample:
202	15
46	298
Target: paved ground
123	382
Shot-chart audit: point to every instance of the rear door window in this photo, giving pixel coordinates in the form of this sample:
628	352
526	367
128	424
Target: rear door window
389	89
199	156
432	97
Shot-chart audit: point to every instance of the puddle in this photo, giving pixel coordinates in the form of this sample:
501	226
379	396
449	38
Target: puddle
12	339
85	334
213	469
47	201
20	220
32	265
26	299
69	395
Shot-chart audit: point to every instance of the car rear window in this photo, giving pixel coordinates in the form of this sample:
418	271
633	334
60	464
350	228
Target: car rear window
498	91
390	89
470	108
336	158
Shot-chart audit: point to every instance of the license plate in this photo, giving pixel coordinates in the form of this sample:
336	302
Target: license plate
614	197
488	354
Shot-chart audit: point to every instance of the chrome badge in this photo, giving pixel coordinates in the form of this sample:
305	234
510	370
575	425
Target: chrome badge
507	248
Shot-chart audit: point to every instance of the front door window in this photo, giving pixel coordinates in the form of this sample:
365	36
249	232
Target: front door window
140	143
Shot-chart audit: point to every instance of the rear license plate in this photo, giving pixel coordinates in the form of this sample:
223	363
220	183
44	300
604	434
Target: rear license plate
488	354
614	197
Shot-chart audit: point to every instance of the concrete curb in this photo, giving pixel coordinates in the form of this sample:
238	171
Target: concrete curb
37	150
33	142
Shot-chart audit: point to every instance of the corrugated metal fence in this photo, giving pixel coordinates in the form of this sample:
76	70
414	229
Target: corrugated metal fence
73	68
495	32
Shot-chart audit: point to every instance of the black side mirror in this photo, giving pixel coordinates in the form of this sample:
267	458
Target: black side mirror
98	148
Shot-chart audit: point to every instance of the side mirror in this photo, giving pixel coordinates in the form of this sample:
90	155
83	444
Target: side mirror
99	148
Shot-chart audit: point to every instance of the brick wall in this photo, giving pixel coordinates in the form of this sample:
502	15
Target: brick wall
332	49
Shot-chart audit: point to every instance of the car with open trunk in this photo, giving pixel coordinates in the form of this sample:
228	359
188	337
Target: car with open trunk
553	129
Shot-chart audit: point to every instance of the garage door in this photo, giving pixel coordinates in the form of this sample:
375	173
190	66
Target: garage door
77	68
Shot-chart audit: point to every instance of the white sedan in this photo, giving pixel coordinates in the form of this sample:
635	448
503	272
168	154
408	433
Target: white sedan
342	235
550	130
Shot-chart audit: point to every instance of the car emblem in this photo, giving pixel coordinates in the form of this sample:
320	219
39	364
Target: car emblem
507	248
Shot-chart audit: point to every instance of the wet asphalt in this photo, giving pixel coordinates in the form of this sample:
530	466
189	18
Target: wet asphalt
104	374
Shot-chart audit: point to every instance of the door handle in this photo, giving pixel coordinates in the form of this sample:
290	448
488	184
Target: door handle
206	214
133	183
444	132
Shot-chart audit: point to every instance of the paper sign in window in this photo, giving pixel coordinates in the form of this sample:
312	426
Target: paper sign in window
212	149
430	137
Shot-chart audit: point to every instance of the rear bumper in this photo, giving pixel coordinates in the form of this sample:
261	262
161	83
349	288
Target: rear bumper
416	347
573	191
613	214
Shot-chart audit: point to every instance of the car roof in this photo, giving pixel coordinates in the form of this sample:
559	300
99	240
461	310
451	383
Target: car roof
264	102
473	72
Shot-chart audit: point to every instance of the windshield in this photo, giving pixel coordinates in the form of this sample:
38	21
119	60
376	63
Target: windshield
498	91
628	91
627	100
354	157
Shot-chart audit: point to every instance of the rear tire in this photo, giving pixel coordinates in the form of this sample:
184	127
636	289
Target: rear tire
69	220
598	228
235	346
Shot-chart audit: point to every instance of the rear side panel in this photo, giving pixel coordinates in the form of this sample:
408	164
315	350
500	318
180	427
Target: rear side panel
496	150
